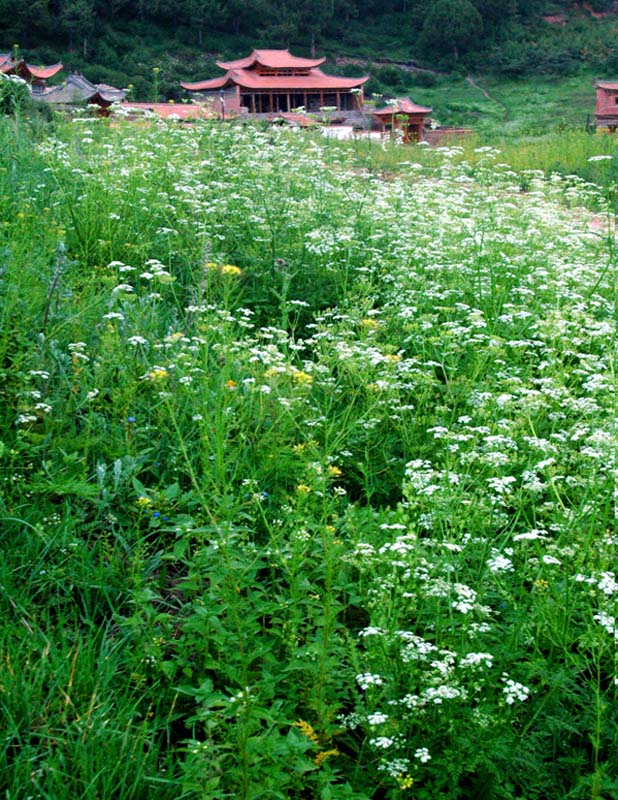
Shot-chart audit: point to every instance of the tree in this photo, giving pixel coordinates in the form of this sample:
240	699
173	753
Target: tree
496	12
26	23
452	25
78	20
199	14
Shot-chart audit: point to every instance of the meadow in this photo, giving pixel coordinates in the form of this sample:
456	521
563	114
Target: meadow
308	469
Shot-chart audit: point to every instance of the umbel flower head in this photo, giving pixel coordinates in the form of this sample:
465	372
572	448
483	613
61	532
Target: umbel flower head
222	269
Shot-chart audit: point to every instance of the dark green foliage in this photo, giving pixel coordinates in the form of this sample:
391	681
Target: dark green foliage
452	26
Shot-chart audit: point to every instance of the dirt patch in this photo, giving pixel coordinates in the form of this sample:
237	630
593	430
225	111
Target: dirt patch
475	85
611	11
582	9
555	19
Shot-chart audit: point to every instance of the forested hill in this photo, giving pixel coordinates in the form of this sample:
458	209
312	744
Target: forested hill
120	41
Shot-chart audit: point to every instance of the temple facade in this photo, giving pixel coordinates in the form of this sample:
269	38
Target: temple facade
274	81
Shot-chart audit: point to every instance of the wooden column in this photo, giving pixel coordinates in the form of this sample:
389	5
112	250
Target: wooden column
337	95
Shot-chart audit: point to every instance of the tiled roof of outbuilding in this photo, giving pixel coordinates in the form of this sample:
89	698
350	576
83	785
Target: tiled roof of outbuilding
404	106
77	88
8	64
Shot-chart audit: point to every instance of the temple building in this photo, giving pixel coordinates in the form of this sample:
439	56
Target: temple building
274	81
405	116
607	105
34	76
77	90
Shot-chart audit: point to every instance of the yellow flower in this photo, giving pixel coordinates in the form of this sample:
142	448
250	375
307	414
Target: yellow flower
230	384
271	372
302	488
230	269
307	730
392	357
334	471
174	337
143	501
158	374
405	781
302	378
321	757
211	265
369	323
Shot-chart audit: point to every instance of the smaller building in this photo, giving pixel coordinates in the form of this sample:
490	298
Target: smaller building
77	90
405	116
606	114
36	77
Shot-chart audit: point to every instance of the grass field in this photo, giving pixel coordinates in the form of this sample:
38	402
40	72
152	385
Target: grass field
308	469
510	108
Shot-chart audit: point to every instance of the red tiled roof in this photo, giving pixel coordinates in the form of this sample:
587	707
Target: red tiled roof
315	80
7	64
200	86
273	59
607	85
404	106
21	68
44	72
294	119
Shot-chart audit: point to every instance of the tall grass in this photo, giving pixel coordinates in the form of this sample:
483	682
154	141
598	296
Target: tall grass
575	155
308	470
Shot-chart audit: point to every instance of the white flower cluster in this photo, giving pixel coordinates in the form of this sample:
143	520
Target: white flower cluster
514	691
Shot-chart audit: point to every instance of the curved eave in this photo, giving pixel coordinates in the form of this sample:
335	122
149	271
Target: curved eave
251	81
205	86
404	106
308	83
272	59
44	72
389	112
